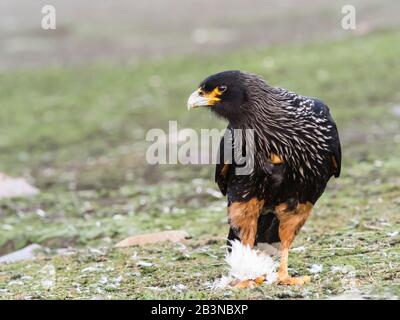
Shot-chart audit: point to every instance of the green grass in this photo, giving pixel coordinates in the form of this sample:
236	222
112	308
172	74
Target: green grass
79	135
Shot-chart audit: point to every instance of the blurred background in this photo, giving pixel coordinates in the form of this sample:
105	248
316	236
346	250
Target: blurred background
128	31
76	103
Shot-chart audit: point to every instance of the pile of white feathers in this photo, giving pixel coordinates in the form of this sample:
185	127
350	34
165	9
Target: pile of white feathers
249	263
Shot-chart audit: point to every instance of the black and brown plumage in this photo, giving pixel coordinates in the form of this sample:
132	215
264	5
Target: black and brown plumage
296	152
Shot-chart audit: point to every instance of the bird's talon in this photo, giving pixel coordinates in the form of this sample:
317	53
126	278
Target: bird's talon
250	283
245	284
294	281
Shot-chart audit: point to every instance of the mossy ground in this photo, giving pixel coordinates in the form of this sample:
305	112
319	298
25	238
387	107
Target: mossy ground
79	135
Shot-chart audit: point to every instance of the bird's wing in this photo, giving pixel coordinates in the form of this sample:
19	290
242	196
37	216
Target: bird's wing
337	154
335	148
223	168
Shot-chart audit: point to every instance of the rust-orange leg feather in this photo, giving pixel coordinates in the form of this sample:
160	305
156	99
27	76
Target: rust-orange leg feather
244	217
290	223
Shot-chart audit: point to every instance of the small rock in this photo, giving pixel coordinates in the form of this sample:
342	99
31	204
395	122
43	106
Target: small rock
103	280
342	269
48	273
178	287
393	234
155	288
396	111
29	252
142	239
144	264
15	187
299	249
94	268
15	283
316	268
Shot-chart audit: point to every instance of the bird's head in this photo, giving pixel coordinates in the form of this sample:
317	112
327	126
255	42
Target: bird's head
225	93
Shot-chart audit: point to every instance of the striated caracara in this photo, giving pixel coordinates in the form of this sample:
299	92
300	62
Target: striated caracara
296	150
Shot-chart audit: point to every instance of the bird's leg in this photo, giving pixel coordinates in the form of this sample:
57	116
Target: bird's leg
243	216
290	223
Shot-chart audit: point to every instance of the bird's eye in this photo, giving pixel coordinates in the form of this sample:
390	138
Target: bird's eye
221	88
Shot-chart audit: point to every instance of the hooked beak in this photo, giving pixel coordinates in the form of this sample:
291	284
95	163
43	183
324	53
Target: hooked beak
196	100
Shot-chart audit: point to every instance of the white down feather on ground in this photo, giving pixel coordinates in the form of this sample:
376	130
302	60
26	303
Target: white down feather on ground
246	263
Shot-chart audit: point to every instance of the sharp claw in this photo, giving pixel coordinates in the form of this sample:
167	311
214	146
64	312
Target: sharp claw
294	281
259	280
250	283
245	284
